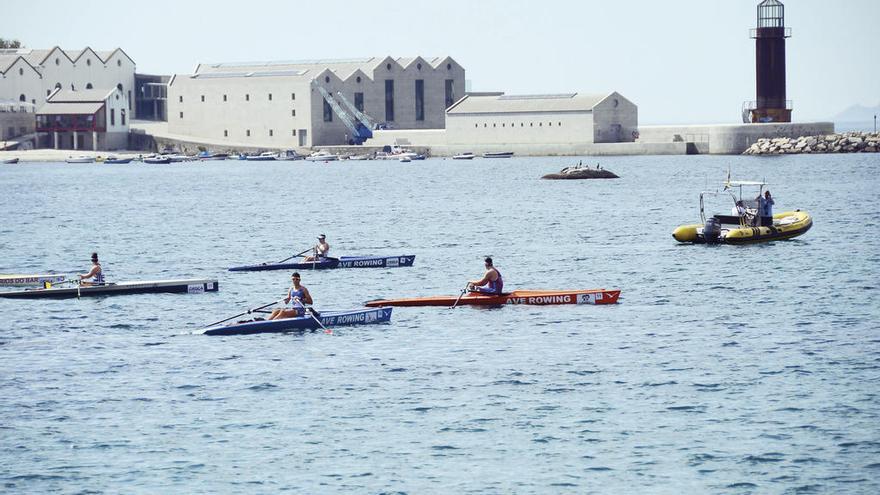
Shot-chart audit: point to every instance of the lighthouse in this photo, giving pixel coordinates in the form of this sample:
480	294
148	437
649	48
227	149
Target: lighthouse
770	104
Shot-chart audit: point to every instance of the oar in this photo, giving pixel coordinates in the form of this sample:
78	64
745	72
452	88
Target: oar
311	313
295	255
459	296
245	313
48	285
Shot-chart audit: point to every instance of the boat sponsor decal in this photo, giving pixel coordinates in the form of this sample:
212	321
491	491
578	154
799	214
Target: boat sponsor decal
195	288
393	262
558	299
345	319
588	298
363	263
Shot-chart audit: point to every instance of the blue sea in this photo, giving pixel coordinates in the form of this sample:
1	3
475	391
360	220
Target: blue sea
723	369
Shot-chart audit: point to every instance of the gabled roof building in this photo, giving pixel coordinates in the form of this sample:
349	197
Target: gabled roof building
279	104
31	75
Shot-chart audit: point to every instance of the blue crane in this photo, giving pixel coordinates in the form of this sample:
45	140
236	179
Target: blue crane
359	131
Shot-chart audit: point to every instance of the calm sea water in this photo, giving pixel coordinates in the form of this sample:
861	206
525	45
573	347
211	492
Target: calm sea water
723	369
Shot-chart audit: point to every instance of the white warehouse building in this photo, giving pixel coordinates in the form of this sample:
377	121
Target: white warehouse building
31	75
561	120
279	104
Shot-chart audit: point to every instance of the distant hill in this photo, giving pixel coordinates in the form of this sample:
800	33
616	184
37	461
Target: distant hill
857	113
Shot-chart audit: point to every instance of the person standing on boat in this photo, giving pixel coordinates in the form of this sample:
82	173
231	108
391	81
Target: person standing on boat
96	274
297	297
491	283
739	209
321	250
765	208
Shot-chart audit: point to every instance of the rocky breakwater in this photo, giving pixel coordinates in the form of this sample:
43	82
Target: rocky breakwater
849	142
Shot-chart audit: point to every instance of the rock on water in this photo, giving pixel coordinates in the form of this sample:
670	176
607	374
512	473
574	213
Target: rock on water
582	173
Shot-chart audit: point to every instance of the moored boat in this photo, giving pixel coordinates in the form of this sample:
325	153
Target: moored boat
10	161
331	263
464	156
112	160
322	156
80	159
266	156
745	225
498	154
16	280
531	297
329	319
185	286
158	160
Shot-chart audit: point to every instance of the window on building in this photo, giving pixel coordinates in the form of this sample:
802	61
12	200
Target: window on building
271	133
389	99
119	63
293	113
326	79
48	92
247	97
203	98
328	112
550	124
57	61
388	66
270	96
113	116
559	124
225	133
448	66
129	99
540	124
89	62
450	92
493	125
358	79
485	125
359	101
293	132
119	86
20	71
224	97
181	114
122	116
180	99
292	96
476	125
248	133
22	98
420	99
503	125
89	86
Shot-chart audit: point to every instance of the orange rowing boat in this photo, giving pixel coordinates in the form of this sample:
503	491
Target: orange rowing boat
537	297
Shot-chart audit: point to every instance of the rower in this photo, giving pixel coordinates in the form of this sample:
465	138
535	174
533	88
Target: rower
297	297
96	274
491	283
320	251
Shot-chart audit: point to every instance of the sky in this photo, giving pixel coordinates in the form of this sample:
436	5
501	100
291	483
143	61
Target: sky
680	61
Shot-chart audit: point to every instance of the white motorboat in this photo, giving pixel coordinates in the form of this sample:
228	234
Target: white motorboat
464	156
266	156
80	159
322	156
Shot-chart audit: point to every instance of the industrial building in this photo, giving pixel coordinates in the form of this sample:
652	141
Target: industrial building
572	118
311	103
31	75
88	119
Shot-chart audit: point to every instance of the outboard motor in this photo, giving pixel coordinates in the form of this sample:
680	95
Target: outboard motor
712	230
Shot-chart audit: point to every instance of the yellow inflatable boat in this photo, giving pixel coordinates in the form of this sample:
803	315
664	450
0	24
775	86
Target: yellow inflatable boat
744	225
733	230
